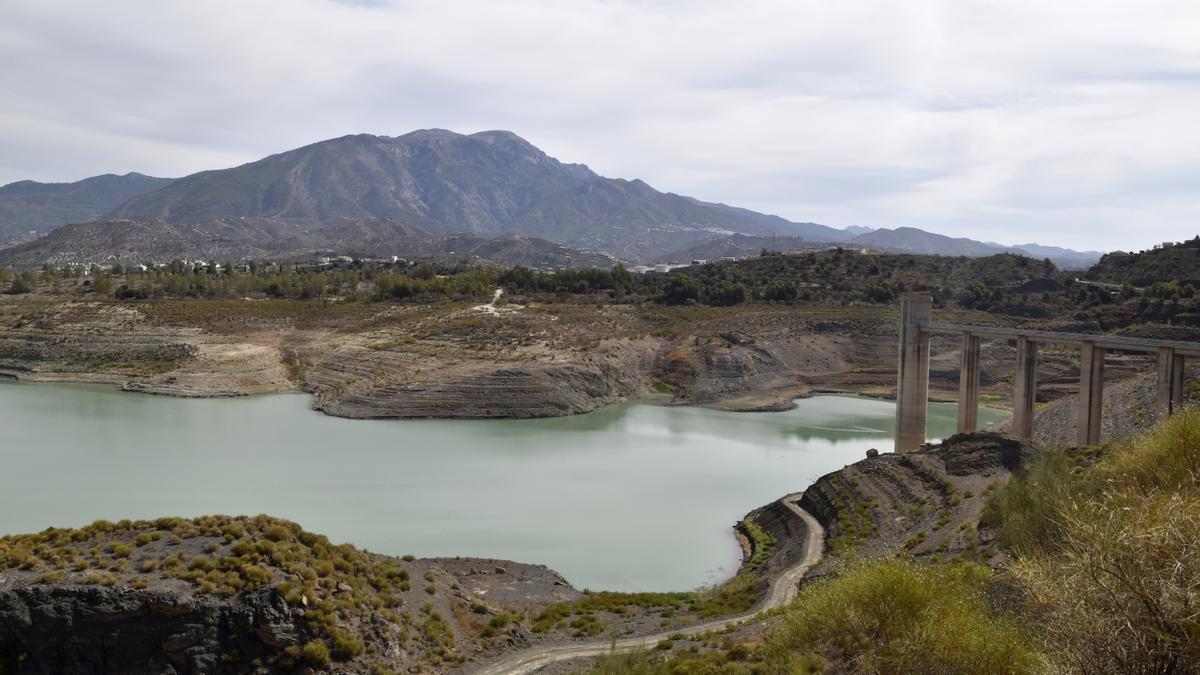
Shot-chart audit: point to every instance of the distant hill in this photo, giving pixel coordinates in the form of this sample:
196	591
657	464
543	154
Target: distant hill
489	183
1177	262
1063	257
913	240
133	241
28	205
899	240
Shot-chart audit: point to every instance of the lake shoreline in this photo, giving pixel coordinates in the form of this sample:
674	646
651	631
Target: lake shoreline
548	467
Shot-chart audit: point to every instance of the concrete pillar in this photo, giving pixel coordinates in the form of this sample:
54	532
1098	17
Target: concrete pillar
1166	358
968	384
1024	388
1091	394
1170	381
1176	383
912	374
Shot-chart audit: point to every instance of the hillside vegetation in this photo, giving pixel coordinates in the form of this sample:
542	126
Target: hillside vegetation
466	269
1096	570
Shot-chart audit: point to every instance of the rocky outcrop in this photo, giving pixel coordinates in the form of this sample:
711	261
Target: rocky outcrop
507	392
788	530
95	629
924	503
980	452
384	383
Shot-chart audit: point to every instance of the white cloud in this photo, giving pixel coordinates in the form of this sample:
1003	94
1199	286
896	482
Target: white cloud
1068	123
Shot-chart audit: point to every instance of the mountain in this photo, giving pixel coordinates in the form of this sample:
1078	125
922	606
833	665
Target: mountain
914	240
855	230
1063	257
139	241
483	185
29	206
488	183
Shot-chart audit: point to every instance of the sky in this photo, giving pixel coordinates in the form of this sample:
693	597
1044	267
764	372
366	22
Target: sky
1065	123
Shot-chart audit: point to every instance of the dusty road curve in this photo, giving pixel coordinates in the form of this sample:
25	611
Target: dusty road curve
783	590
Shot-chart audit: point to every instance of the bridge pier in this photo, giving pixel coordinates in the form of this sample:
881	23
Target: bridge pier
1091	394
1024	388
968	384
1170	381
912	381
912	386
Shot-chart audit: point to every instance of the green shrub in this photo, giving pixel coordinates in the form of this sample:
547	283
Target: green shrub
1165	458
346	645
316	654
121	549
894	616
1028	513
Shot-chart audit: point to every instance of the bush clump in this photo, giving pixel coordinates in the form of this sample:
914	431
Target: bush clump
896	616
1117	591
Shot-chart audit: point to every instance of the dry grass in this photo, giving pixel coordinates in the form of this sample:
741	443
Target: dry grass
1119	589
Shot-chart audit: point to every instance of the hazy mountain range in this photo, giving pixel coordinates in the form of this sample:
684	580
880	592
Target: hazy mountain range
28	206
484	185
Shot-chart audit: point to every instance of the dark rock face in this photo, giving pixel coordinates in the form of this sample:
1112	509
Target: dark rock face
95	629
980	451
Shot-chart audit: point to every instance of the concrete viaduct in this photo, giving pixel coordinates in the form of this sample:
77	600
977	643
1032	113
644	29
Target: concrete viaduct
912	391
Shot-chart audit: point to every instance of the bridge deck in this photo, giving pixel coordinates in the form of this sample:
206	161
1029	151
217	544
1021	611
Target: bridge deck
1071	339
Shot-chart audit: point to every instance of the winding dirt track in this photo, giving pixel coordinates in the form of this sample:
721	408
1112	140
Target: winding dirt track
782	591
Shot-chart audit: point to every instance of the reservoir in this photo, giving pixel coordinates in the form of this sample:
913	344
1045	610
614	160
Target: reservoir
631	497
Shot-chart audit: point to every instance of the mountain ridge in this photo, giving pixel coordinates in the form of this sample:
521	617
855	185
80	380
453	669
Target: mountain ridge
32	206
487	183
484	184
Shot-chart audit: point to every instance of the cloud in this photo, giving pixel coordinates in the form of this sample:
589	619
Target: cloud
1068	123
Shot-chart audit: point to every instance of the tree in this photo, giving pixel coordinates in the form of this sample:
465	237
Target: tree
781	291
679	289
728	294
21	285
103	285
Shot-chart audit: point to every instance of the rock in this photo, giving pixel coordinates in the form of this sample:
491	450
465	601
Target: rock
66	628
980	451
872	452
501	570
345	587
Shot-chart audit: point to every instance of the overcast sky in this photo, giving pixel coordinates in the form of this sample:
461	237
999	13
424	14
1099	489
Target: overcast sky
1067	123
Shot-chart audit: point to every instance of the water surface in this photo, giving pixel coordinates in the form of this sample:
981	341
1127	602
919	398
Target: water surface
632	497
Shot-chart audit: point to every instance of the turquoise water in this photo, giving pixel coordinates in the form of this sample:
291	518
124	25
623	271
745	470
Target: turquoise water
632	497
